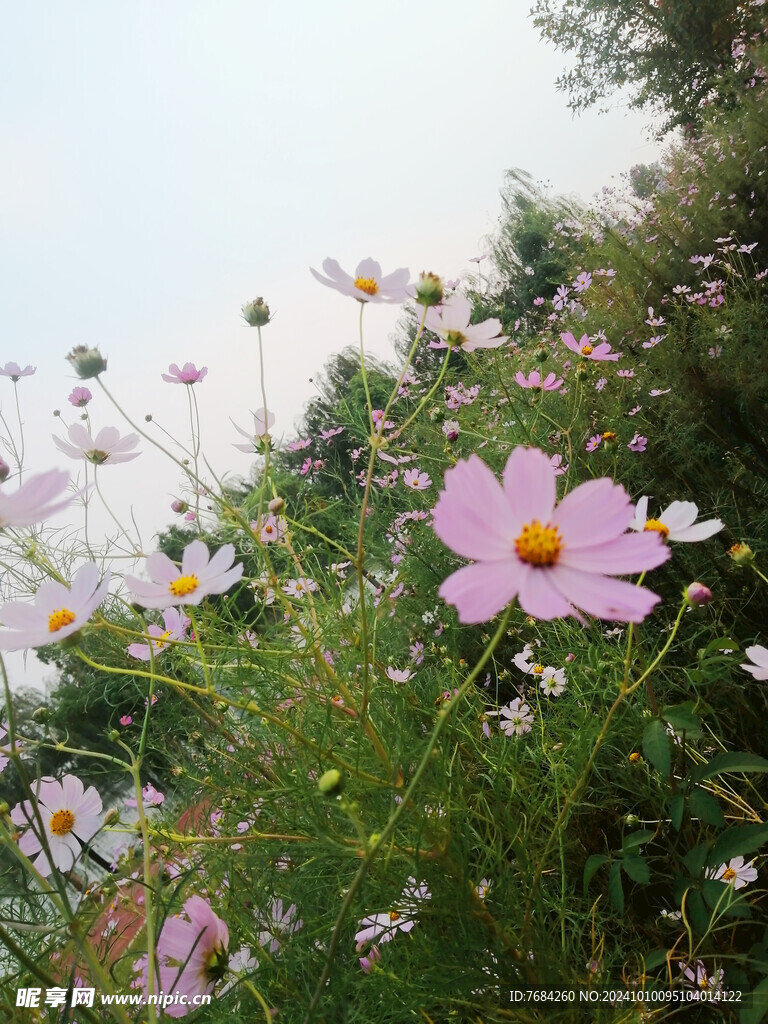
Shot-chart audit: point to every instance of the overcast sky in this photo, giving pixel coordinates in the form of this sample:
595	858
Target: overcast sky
164	162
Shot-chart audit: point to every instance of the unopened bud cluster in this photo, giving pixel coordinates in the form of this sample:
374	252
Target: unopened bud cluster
87	362
256	313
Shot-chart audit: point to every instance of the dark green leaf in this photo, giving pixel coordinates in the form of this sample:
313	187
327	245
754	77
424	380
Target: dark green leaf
636	868
755	1004
594	863
676	808
698	914
635	839
696	858
615	887
738	842
655	959
703	805
656	746
683	720
733	761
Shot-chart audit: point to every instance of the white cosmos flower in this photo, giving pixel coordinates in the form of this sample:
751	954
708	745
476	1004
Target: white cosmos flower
450	322
758	655
58	611
676	522
262	424
106	448
735	873
368	284
199	576
70	815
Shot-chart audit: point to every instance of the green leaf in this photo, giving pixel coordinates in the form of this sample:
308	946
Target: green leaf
698	914
703	805
682	720
634	839
656	746
755	1004
738	842
722	644
676	808
594	863
615	887
733	761
696	858
655	959
636	868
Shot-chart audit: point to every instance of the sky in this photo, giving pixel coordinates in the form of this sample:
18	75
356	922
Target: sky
163	163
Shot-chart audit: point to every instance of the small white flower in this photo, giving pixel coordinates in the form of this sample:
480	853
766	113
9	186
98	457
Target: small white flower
676	522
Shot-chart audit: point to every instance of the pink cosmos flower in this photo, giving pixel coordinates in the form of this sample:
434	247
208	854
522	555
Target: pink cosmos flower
655	392
35	500
199	576
270	528
368	284
584	348
80	397
58	611
550	383
149	795
188	374
638	443
106	448
600	384
126	720
676	522
14	371
554	559
594	442
450	322
556	462
261	429
328	435
696	976
582	282
759	656
70	815
192	953
176	623
625	373
296	446
398	675
306	466
417	481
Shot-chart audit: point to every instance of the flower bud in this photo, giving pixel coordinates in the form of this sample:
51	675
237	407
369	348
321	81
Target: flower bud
87	362
256	313
741	553
5	469
276	505
4	808
631	821
41	714
429	289
698	595
541	355
113	735
570	657
111	816
179	506
609	437
331	782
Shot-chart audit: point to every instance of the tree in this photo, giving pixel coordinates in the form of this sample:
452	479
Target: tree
675	55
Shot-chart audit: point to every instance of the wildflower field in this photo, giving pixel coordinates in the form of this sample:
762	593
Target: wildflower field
455	710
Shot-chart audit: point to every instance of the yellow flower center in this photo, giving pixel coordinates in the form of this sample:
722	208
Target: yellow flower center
586	350
269	528
455	339
704	983
299	586
634	757
60	618
608	435
539	545
184	585
160	641
658	526
62	822
729	874
367	285
538	670
394	916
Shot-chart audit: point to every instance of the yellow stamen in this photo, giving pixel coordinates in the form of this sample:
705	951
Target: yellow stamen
62	822
455	339
184	585
608	435
729	874
394	916
586	350
658	526
538	670
60	618
367	285
539	545
160	641
634	757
